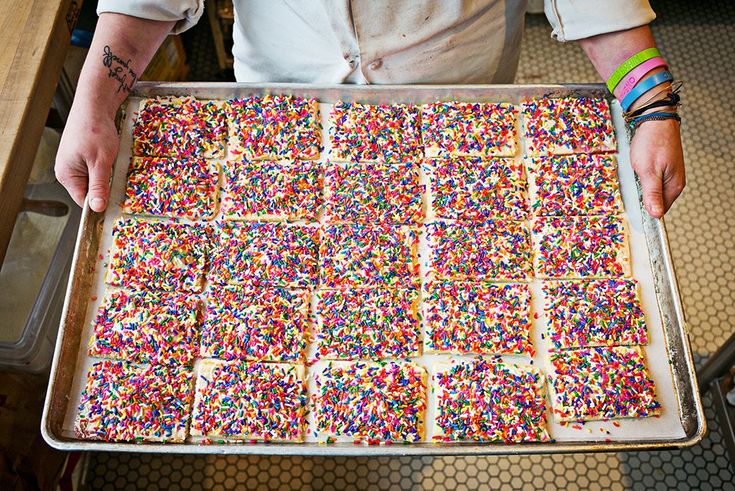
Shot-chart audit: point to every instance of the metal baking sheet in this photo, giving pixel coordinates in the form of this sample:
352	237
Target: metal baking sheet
669	355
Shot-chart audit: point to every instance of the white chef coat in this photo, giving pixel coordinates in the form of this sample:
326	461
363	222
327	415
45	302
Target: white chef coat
388	41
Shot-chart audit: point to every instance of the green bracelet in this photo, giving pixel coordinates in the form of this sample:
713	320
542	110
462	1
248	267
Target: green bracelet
630	64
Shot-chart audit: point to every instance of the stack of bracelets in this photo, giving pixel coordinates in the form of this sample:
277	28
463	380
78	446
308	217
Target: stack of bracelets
633	78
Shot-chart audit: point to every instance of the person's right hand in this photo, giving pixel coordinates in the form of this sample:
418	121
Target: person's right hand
86	153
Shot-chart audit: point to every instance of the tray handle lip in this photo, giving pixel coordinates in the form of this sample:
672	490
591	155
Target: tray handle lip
351	450
47	432
147	85
145	89
694	433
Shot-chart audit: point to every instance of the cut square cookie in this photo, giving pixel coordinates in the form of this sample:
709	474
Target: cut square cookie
364	132
147	327
559	126
373	193
482	400
126	402
493	250
585	184
158	255
265	324
580	247
265	254
602	383
462	129
359	255
179	127
483	318
274	127
594	313
368	324
374	402
271	191
474	189
172	187
242	400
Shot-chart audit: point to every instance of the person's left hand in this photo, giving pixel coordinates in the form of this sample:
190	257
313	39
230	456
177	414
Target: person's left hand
657	158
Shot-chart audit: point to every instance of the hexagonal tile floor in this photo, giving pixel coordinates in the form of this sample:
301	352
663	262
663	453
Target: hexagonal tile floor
701	228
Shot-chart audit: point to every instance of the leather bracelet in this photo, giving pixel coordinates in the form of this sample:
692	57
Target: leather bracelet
636	74
671	100
673	87
630	64
644	86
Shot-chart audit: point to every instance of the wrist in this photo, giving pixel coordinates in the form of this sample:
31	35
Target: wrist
94	106
98	94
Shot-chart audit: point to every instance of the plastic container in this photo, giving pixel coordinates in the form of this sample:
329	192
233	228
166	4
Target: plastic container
29	346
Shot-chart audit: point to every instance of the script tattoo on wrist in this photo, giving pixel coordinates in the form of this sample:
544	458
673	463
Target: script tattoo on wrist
119	70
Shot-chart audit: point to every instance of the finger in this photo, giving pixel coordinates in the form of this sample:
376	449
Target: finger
673	186
75	184
99	186
652	183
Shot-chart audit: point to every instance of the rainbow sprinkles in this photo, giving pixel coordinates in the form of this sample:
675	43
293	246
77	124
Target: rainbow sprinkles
179	127
585	184
594	313
463	129
158	255
368	323
477	317
274	127
264	324
125	402
374	133
172	187
356	255
478	190
147	327
265	254
492	250
602	383
559	126
371	402
271	191
249	401
482	400
373	193
580	247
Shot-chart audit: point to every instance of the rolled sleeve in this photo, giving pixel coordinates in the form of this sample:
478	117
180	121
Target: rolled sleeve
579	19
185	12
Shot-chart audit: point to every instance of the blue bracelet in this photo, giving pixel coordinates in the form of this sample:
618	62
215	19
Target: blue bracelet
644	86
654	116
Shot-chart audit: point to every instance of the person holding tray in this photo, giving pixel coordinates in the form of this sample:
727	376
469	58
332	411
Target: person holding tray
379	42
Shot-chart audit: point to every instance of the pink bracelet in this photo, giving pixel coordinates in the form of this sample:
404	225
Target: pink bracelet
635	76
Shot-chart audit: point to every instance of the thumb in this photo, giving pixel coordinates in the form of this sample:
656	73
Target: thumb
652	183
99	185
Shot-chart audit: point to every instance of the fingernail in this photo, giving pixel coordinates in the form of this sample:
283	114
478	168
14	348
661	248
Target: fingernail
657	210
97	204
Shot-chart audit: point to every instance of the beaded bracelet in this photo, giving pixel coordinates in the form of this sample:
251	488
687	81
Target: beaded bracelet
644	86
656	116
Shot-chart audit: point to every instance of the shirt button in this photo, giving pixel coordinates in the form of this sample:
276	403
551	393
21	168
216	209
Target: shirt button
376	64
350	59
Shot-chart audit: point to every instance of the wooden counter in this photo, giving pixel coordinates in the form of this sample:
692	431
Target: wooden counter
34	38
